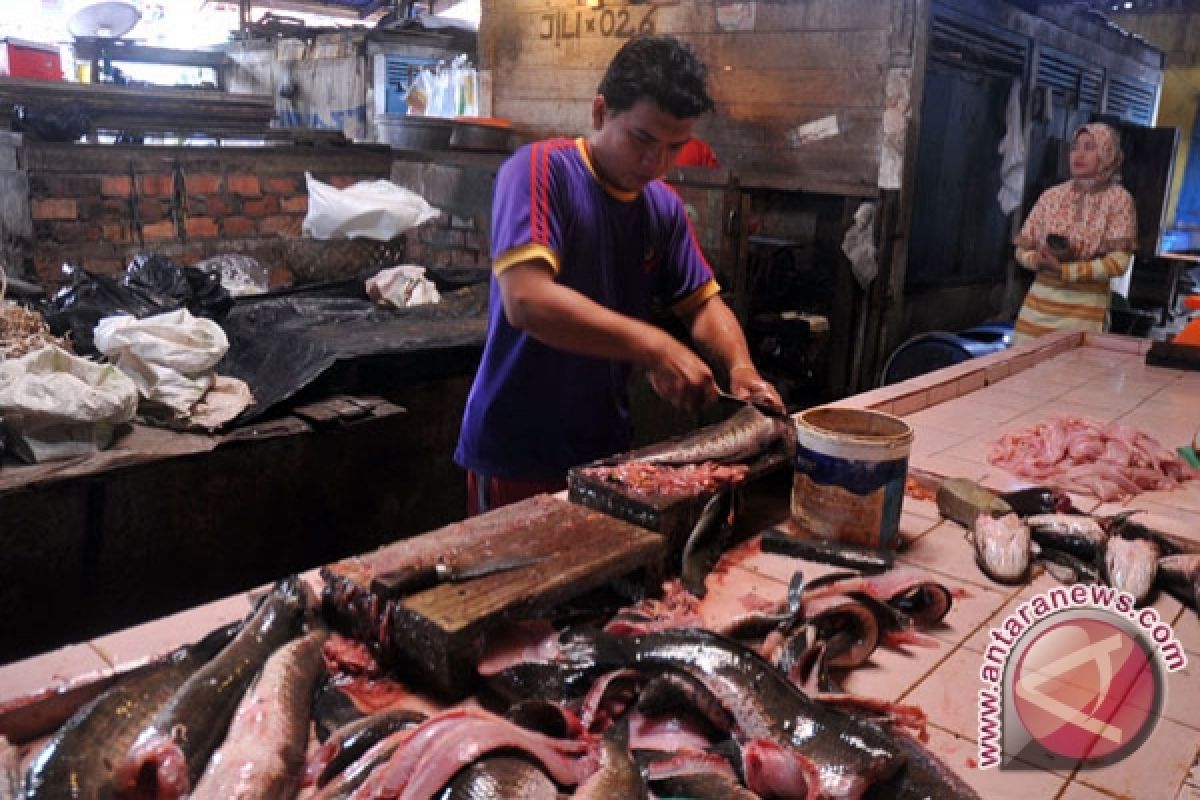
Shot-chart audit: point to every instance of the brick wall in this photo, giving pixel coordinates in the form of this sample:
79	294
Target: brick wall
448	241
97	206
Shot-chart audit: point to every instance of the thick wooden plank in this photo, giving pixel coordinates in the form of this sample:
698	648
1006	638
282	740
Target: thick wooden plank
579	548
673	516
439	632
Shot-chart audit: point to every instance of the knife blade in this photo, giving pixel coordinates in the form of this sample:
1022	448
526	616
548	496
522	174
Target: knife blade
417	578
761	406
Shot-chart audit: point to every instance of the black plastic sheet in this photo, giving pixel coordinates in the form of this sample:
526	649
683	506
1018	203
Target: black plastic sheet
150	285
281	342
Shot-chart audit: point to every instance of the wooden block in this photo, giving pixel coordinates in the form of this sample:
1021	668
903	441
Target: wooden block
439	633
672	516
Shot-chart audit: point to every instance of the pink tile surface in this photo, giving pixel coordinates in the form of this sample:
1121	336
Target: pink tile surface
950	694
1187	631
1155	771
967	614
69	666
932	440
1079	791
912	527
961	754
946	550
1182	698
982	639
891	674
948	465
920	508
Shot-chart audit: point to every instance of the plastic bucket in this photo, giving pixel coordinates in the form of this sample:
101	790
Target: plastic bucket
850	471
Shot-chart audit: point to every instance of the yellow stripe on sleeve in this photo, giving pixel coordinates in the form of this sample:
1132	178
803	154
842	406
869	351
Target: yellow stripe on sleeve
526	252
696	299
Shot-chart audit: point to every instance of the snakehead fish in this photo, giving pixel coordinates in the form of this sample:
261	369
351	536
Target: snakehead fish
1131	565
78	761
790	745
1003	547
744	436
1078	534
170	753
262	757
348	743
618	775
509	777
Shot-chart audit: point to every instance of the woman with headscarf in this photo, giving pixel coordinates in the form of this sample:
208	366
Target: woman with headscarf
1079	235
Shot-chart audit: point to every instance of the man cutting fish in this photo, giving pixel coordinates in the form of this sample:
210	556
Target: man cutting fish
586	243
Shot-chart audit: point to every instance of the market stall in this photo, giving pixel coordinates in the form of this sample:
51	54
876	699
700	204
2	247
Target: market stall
958	414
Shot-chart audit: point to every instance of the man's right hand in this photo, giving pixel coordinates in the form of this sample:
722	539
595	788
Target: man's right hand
681	377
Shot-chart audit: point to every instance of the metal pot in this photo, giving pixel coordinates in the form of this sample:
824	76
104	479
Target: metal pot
414	133
481	137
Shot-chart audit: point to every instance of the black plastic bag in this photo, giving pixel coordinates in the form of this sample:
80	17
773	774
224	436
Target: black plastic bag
150	285
160	281
65	124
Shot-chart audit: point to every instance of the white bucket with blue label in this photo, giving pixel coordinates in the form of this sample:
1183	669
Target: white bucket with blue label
850	470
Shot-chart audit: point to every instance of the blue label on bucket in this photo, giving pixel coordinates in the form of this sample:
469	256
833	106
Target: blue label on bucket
831	484
860	477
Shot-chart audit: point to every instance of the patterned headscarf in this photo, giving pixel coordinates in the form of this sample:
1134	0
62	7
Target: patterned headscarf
1096	215
1108	146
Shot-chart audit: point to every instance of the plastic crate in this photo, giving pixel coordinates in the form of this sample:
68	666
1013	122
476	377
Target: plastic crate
21	59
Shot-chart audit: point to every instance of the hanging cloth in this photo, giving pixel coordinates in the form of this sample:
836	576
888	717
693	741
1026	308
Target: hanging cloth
1012	148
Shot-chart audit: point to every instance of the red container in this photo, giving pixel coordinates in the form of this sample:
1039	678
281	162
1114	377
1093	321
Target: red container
22	59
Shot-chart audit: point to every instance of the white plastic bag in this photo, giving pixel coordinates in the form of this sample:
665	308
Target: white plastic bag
402	286
240	274
373	209
169	356
58	405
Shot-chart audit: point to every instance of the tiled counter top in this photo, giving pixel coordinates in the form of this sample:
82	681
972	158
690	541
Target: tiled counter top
957	413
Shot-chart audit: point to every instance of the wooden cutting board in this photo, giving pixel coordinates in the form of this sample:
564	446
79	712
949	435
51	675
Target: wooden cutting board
672	516
439	633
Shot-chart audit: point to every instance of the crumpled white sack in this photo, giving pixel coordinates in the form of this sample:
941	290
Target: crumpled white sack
402	286
58	405
373	209
169	356
859	245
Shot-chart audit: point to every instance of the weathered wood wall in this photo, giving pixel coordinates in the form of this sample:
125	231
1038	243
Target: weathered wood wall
777	67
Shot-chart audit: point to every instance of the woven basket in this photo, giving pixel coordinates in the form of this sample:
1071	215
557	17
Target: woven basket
312	260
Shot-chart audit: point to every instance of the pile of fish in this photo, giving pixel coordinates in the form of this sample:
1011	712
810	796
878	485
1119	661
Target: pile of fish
705	716
1011	533
1112	462
226	717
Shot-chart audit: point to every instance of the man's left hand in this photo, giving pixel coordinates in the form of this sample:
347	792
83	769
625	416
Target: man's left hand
747	384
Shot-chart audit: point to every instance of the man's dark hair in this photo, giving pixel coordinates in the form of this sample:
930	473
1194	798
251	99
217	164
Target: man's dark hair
659	68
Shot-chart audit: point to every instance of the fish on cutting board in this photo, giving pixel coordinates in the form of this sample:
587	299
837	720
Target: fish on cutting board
746	435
